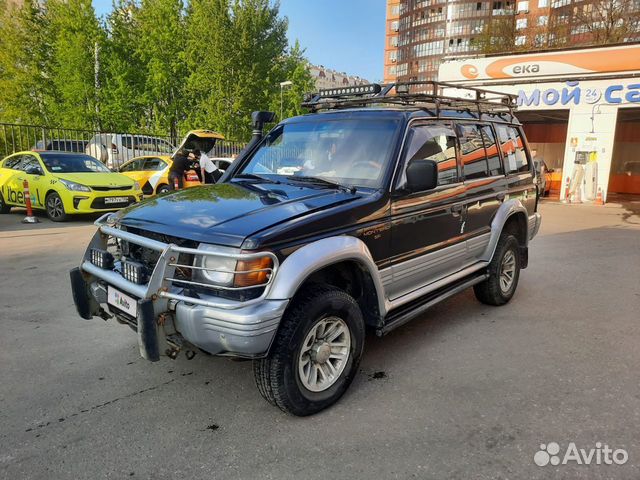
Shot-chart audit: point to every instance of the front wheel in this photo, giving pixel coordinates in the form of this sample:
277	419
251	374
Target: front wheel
315	354
55	208
4	208
504	272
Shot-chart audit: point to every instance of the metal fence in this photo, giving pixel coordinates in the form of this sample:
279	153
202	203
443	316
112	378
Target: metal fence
113	149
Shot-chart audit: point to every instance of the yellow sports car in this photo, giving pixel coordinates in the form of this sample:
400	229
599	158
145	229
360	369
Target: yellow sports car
63	184
152	173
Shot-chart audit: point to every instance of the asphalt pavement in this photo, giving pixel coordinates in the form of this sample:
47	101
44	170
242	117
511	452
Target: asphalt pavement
466	391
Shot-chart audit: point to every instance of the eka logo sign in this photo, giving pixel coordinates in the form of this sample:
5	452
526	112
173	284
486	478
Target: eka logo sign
549	454
469	71
526	69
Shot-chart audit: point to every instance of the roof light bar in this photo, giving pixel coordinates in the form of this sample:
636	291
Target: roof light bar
370	89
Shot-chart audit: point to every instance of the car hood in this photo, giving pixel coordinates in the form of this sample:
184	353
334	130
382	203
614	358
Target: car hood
91	179
228	213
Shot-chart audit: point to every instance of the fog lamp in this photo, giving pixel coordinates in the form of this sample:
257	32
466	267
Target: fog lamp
101	258
134	272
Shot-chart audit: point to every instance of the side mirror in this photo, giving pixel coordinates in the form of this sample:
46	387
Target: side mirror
422	175
33	170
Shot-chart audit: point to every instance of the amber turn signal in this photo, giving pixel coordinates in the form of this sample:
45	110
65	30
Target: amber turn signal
256	272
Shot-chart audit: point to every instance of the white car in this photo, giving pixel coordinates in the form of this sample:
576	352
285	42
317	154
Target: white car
114	149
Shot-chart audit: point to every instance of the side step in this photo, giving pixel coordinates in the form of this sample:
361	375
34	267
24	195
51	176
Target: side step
408	312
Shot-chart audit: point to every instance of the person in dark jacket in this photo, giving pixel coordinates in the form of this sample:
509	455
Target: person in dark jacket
180	165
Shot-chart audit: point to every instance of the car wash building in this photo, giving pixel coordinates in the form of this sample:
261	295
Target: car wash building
580	109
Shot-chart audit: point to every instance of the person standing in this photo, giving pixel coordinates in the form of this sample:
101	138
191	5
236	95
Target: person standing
180	164
209	172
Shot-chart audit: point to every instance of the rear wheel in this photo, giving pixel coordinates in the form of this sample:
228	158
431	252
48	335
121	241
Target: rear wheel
315	354
504	272
55	208
4	208
163	189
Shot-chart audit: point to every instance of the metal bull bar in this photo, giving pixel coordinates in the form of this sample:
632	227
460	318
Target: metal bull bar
162	286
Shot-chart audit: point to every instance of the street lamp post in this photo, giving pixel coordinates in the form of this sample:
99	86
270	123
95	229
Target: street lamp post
287	83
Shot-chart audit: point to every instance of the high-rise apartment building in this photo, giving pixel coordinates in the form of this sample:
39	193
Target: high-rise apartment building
420	33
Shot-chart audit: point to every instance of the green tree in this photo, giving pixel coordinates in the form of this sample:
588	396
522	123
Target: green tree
122	72
74	33
293	67
24	54
210	63
237	67
160	46
498	35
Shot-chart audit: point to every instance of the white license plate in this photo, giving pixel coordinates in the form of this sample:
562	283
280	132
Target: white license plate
122	301
116	200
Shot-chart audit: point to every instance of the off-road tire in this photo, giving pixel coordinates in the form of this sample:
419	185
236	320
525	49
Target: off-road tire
4	208
277	376
490	291
63	217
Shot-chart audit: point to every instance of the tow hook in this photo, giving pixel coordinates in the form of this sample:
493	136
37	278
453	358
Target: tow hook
172	353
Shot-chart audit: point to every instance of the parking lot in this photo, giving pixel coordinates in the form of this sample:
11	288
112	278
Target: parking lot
465	391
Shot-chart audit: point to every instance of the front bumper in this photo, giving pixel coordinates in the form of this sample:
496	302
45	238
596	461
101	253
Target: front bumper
167	318
94	202
246	331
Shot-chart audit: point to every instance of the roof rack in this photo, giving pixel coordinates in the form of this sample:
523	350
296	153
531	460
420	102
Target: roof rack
400	94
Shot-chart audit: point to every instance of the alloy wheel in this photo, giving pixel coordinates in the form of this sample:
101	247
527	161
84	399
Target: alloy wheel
324	354
54	206
507	271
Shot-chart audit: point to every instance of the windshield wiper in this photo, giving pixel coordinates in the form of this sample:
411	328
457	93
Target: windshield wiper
253	176
321	181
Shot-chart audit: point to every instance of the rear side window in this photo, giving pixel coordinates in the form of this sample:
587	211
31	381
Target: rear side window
512	145
13	162
493	156
473	155
435	142
132	166
152	164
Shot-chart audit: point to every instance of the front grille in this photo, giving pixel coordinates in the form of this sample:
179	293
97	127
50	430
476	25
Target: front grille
99	203
143	249
106	189
149	258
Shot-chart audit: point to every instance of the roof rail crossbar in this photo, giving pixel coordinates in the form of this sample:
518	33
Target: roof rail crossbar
471	98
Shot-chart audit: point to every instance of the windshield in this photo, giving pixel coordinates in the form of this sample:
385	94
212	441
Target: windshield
349	151
65	163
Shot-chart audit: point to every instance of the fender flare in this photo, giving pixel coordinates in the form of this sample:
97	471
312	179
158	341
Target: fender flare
305	261
509	208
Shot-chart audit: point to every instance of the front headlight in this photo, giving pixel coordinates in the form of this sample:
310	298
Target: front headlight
225	271
74	187
219	270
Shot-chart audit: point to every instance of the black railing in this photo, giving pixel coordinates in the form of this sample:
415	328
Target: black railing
113	149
